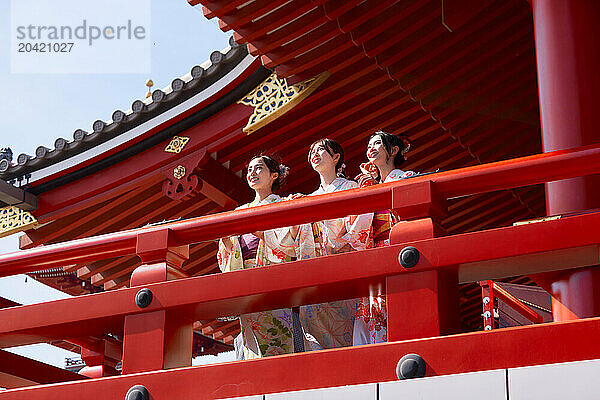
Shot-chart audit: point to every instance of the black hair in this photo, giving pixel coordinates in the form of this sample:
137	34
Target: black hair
332	147
389	141
275	166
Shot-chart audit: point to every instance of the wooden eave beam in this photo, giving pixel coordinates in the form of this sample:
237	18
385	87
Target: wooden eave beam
231	190
18	371
248	14
14	196
273	21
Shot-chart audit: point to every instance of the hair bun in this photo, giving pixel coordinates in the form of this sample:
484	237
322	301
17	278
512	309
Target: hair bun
284	171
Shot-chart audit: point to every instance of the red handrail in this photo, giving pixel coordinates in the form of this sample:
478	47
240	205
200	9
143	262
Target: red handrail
311	281
461	182
516	304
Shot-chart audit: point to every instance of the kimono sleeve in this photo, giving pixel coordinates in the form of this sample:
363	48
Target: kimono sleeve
230	260
279	245
358	228
358	231
305	245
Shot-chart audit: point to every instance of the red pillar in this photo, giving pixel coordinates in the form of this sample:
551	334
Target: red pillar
420	304
158	339
567	42
100	357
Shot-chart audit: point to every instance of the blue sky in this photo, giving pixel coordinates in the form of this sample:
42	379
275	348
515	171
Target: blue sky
36	109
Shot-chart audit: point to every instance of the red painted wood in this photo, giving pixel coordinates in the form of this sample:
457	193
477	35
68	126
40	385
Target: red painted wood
397	15
454	51
567	36
429	299
15	368
513	347
471	180
163	338
516	304
302	282
245	15
146	163
217	8
487	300
317	56
275	20
302	25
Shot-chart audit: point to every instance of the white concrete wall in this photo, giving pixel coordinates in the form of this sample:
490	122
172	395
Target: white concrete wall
578	380
575	380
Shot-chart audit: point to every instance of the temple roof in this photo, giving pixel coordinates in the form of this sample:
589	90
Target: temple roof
124	126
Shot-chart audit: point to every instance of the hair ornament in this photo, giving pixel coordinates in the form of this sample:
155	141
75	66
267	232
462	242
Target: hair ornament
340	170
407	144
284	171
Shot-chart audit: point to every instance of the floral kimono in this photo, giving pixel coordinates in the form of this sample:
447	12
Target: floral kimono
264	333
331	324
371	316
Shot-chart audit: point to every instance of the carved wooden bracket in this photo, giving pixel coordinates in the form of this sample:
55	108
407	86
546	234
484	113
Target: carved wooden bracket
182	182
13	219
200	173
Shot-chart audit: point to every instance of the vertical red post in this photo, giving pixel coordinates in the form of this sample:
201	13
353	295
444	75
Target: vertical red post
420	304
100	357
158	339
487	299
567	39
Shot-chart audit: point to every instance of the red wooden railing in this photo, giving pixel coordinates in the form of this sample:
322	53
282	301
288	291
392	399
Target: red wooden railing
489	291
415	294
484	178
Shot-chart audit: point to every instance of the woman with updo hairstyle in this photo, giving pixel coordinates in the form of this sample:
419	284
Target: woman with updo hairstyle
385	152
264	333
331	324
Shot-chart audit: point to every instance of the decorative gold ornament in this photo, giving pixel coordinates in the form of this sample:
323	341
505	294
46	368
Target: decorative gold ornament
179	172
149	83
177	144
13	219
274	97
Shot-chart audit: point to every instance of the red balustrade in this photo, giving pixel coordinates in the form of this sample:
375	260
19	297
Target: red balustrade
153	332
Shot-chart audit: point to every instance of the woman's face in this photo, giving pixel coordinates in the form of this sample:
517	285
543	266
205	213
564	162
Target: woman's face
258	176
376	152
321	160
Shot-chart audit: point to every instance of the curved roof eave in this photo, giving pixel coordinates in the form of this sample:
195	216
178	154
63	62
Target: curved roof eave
185	96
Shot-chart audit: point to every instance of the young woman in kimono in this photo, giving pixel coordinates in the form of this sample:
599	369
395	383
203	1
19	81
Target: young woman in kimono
331	324
264	333
386	152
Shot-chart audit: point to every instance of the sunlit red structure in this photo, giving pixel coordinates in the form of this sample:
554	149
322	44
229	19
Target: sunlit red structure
458	77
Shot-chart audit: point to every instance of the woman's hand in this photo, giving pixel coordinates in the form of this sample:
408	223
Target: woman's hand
368	175
227	243
365	180
369	168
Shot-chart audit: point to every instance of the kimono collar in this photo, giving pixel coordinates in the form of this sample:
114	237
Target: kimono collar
333	186
394	175
272	198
